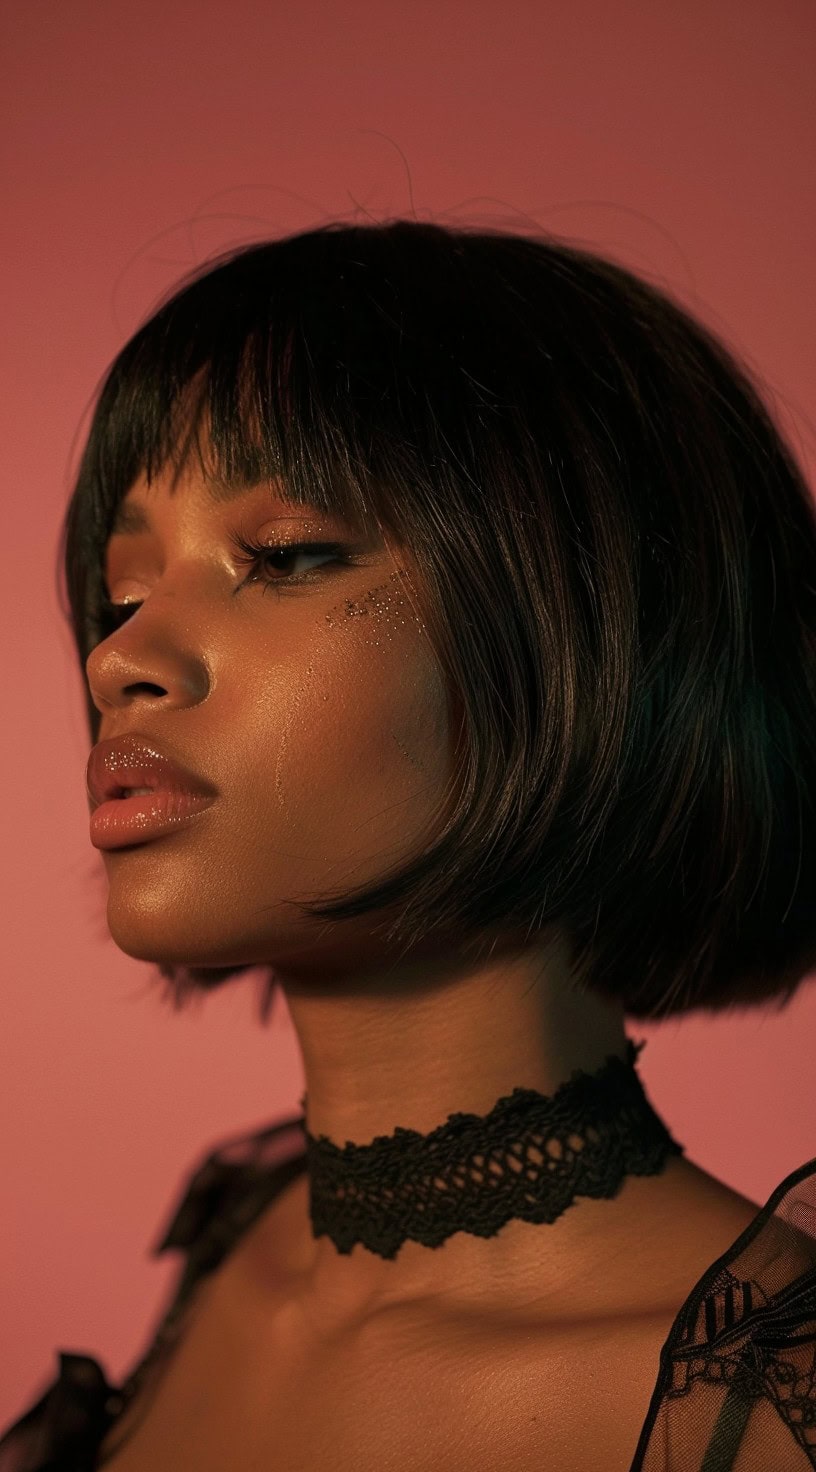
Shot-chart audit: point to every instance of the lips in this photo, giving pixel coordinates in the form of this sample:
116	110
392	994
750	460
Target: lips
136	761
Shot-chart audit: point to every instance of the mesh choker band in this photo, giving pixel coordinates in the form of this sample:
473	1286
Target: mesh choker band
528	1158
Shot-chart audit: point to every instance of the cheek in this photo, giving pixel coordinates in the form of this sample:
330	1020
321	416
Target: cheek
347	758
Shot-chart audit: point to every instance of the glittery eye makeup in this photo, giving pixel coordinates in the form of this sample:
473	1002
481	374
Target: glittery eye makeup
260	555
288	552
264	557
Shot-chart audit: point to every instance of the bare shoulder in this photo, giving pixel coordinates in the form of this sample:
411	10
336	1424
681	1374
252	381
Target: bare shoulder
702	1189
688	1219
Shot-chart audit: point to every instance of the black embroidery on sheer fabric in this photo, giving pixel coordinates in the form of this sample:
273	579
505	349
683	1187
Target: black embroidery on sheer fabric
528	1158
753	1367
746	1334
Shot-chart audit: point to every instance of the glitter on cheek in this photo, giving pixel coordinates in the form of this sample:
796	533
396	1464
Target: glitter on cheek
389	611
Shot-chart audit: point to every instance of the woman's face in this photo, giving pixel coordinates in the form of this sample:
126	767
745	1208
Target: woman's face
317	711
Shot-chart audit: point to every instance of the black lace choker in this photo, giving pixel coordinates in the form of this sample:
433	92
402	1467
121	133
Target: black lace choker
528	1158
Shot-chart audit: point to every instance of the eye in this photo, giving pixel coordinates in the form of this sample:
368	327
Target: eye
259	557
111	616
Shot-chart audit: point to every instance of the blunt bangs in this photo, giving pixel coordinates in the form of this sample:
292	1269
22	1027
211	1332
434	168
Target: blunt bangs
619	554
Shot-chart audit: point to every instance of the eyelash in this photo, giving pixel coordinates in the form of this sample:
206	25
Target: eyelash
253	555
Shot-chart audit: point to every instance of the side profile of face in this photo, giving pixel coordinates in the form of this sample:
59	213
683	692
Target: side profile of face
317	709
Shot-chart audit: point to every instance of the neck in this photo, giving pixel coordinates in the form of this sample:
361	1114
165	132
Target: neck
409	1049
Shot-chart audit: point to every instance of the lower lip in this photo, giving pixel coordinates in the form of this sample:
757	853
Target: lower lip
126	820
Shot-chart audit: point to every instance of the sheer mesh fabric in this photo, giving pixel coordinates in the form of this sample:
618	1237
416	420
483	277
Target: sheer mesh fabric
63	1431
737	1381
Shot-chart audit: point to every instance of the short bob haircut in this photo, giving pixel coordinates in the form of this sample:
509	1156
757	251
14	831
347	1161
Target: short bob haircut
620	557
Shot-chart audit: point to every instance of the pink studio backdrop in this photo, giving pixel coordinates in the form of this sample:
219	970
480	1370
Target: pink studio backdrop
140	139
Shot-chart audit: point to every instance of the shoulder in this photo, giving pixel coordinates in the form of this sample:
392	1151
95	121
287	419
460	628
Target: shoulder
229	1182
738	1374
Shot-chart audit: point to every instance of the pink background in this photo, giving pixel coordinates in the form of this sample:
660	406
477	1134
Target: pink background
139	139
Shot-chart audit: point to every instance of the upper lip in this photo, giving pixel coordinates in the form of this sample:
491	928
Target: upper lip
135	760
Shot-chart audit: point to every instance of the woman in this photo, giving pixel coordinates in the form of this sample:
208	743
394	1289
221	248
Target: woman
450	596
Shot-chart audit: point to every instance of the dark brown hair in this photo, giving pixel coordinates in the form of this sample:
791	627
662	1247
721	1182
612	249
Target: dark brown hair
620	556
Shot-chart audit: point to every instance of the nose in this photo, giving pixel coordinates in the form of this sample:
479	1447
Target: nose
153	658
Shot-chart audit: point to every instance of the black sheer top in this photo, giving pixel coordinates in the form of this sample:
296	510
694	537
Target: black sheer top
735	1385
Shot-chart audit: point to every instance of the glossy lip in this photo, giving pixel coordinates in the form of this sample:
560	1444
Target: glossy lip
124	821
135	760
